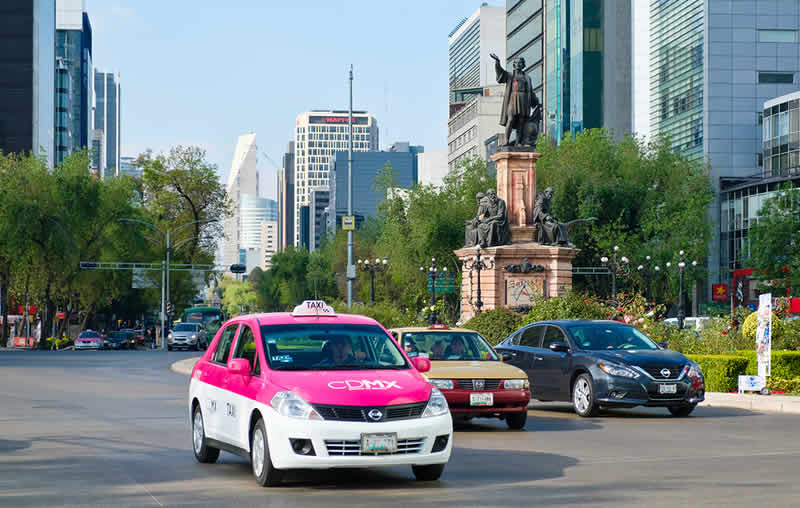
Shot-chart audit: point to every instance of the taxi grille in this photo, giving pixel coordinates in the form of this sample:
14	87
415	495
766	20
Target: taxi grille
488	384
359	413
353	447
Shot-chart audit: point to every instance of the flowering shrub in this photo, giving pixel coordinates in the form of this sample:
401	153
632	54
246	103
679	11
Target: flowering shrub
496	324
751	323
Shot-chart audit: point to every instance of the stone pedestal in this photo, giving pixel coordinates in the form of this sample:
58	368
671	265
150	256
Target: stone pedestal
502	288
552	265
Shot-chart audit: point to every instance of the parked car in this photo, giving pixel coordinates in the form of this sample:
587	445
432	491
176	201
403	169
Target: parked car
187	336
473	379
597	364
118	340
89	339
313	389
132	336
691	322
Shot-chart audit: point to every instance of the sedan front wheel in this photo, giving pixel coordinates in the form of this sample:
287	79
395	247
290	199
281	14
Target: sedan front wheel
583	396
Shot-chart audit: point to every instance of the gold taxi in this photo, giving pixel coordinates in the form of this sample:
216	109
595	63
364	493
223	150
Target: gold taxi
470	374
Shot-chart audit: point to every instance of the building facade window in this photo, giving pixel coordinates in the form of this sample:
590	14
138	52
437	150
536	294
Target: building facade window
777	35
771	77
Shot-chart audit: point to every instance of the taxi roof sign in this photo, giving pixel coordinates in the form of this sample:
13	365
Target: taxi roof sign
313	308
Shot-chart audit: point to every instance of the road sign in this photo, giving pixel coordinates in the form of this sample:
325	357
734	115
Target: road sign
443	286
349	222
238	268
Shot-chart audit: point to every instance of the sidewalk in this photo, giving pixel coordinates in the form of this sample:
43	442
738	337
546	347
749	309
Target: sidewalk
752	402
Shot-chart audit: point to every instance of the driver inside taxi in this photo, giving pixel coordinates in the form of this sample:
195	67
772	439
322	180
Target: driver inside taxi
456	349
340	351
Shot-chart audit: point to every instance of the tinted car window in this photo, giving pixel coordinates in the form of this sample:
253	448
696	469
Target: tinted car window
224	345
246	348
530	336
186	327
553	334
597	337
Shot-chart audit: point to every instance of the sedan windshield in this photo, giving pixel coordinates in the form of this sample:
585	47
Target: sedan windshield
185	327
330	347
599	337
448	346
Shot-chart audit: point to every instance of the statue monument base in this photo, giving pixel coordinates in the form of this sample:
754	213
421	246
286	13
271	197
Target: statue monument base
512	282
525	269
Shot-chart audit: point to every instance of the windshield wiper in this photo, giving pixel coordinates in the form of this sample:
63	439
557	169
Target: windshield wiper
290	367
348	366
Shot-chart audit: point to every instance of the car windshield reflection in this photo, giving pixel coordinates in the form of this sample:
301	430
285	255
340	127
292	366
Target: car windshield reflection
594	337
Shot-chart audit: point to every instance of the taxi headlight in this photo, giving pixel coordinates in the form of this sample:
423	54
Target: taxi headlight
442	384
516	384
437	404
291	405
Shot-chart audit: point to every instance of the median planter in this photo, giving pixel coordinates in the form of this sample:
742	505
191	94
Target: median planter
721	372
785	364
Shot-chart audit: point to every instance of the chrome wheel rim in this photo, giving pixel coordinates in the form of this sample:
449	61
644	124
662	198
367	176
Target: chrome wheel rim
197	431
581	395
258	452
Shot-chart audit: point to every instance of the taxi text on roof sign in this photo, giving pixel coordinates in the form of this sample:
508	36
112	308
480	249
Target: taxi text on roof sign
313	308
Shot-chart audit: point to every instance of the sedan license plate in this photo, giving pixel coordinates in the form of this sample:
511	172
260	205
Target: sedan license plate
379	443
667	388
481	399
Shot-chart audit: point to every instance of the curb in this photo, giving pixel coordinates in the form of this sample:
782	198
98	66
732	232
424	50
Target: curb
764	403
184	366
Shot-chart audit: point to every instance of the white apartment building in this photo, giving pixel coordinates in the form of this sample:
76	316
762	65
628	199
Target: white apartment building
472	125
319	134
269	242
242	180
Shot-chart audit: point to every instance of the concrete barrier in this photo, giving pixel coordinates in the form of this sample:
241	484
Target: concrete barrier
184	366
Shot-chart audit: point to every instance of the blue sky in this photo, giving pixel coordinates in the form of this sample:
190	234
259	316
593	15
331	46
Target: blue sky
203	72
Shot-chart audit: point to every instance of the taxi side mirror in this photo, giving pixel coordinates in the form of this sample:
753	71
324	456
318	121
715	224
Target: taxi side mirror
421	364
239	366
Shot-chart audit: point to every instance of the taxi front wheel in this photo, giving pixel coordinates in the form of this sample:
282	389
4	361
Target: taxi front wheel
517	421
202	452
428	473
265	473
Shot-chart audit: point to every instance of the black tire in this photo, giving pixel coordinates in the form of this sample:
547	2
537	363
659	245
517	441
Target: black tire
169	348
202	452
428	473
196	346
517	421
583	401
268	476
682	411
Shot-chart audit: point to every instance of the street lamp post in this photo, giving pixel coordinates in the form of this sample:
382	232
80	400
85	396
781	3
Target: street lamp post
647	275
378	266
478	264
681	268
615	267
433	274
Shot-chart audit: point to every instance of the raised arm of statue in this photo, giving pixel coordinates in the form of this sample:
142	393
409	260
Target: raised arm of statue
502	74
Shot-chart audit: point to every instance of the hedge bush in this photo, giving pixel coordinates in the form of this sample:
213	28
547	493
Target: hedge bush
389	315
784	385
721	372
785	364
790	338
496	324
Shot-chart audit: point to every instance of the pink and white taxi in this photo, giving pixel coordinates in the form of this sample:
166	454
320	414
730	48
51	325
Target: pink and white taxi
313	389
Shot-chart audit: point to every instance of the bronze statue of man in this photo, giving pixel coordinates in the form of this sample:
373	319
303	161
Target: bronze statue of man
494	230
471	238
521	108
551	232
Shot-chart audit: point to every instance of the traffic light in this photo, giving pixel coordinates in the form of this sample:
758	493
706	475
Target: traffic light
169	308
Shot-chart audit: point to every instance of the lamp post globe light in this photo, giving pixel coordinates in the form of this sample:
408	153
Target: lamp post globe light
615	267
681	268
433	274
372	267
478	263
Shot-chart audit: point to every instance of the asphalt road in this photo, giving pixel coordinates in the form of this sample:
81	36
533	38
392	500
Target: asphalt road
112	429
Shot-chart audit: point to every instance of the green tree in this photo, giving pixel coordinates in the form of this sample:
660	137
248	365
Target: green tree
239	297
773	239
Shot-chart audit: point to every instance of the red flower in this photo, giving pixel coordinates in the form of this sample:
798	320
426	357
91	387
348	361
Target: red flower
724	333
620	308
585	301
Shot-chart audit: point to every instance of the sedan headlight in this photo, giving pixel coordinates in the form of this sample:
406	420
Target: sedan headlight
516	384
694	371
442	384
194	336
291	405
618	370
169	335
437	404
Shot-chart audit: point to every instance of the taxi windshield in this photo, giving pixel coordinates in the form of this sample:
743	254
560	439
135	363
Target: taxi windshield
330	347
448	346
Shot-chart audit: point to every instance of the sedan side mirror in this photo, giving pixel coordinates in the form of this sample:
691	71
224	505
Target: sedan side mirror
663	345
240	366
506	357
559	347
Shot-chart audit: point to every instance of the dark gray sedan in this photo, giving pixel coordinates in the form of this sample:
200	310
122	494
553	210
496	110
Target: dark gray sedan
596	364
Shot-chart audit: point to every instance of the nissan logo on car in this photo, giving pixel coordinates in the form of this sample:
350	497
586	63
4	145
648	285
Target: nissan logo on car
666	372
375	414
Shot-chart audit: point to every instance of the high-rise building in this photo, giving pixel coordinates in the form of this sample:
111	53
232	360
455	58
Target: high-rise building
128	168
470	127
714	63
587	66
470	43
107	117
253	210
286	213
74	77
242	180
269	242
366	167
432	167
97	159
525	39
27	77
319	134
318	217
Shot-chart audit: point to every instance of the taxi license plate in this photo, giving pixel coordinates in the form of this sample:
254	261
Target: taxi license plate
667	388
481	399
379	443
